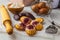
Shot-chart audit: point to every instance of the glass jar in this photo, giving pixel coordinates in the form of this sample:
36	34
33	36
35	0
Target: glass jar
43	7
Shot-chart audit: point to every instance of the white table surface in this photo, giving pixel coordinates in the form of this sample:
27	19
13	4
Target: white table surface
19	35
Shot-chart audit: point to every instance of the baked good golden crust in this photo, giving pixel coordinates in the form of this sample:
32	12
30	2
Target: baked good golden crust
30	31
39	27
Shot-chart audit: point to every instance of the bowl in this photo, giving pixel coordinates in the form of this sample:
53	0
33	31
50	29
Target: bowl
15	10
41	8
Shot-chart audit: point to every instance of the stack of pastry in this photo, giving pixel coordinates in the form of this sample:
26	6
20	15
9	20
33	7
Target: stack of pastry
30	26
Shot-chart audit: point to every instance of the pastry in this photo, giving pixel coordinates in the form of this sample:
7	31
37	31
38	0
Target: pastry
39	20
27	14
30	30
34	23
6	19
21	26
39	27
25	20
51	29
43	11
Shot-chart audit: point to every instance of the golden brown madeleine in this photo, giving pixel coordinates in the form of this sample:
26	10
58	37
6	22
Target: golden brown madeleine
6	19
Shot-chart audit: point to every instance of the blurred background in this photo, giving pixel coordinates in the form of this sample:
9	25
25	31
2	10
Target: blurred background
56	3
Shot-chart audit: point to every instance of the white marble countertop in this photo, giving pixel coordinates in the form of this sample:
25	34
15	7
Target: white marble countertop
19	35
